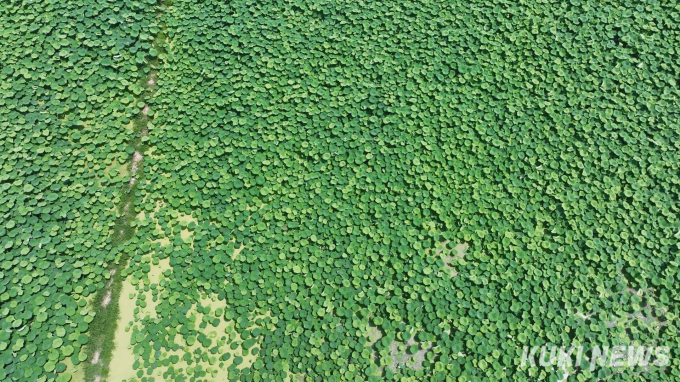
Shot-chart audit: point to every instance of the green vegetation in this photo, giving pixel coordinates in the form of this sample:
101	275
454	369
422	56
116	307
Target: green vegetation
341	190
68	77
340	143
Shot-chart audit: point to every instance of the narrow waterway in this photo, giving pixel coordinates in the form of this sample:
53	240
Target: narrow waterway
106	302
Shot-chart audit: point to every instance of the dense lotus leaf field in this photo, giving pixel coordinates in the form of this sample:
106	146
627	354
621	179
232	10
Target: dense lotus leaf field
68	80
341	190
